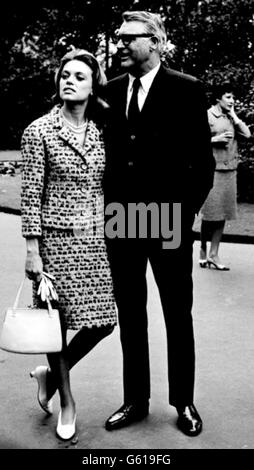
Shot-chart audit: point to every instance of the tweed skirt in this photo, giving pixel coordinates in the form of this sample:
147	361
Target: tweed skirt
221	201
82	278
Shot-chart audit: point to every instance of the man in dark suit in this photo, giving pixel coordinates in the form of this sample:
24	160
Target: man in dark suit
159	156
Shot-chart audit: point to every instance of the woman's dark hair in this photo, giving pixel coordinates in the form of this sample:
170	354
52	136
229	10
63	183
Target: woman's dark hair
219	90
96	103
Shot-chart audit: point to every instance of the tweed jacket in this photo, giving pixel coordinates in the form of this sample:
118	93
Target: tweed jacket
169	156
226	155
61	180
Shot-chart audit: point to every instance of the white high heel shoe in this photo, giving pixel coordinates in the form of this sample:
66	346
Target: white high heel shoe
65	431
218	266
40	373
203	263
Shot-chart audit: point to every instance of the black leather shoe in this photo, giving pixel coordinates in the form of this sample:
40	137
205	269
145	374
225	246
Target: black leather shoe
189	421
126	415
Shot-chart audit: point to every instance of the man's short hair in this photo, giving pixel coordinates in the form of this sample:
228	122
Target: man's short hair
153	23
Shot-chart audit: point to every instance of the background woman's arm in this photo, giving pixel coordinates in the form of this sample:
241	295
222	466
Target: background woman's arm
240	127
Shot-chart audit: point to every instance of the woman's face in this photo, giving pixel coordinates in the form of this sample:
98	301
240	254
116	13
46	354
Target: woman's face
75	81
226	102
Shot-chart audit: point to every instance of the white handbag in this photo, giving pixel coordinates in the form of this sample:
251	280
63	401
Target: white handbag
31	330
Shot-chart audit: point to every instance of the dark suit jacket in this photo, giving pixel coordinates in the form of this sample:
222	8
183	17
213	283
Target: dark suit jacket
169	157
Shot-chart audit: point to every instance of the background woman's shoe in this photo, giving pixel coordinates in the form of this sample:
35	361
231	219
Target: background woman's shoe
220	267
40	374
65	431
203	263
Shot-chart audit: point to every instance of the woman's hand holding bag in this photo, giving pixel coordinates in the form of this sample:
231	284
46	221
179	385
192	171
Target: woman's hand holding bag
31	330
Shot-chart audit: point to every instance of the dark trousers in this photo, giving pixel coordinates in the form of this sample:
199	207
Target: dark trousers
172	271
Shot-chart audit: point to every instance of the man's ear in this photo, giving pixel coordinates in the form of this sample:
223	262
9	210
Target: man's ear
154	43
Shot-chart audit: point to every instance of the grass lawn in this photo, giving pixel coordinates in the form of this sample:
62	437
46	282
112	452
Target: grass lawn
10	191
244	225
10	155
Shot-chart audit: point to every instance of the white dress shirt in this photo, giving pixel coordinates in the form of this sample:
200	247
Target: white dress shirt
146	82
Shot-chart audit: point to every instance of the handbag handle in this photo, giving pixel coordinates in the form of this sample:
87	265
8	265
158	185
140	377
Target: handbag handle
15	305
16	301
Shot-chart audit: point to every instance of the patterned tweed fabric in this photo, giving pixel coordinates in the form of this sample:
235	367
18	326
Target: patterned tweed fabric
83	278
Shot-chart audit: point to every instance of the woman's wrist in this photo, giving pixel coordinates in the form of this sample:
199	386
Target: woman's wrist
32	253
236	120
32	246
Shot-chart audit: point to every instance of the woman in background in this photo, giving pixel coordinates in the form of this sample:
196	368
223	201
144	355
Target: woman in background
220	205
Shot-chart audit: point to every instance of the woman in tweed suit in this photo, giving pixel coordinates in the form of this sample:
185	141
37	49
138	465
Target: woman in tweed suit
62	221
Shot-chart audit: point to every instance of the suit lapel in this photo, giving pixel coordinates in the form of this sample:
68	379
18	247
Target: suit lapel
119	96
92	134
154	99
90	140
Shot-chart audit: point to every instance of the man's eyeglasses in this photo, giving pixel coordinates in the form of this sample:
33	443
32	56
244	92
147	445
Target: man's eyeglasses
128	38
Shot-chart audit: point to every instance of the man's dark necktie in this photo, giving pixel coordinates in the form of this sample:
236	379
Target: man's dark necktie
133	111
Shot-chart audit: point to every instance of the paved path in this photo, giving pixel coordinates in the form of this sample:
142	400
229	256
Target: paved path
224	324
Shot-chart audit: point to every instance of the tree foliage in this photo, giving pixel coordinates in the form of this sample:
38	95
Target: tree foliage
213	40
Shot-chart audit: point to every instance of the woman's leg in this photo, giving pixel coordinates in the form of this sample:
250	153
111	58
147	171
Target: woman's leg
205	231
217	232
80	345
84	341
59	371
